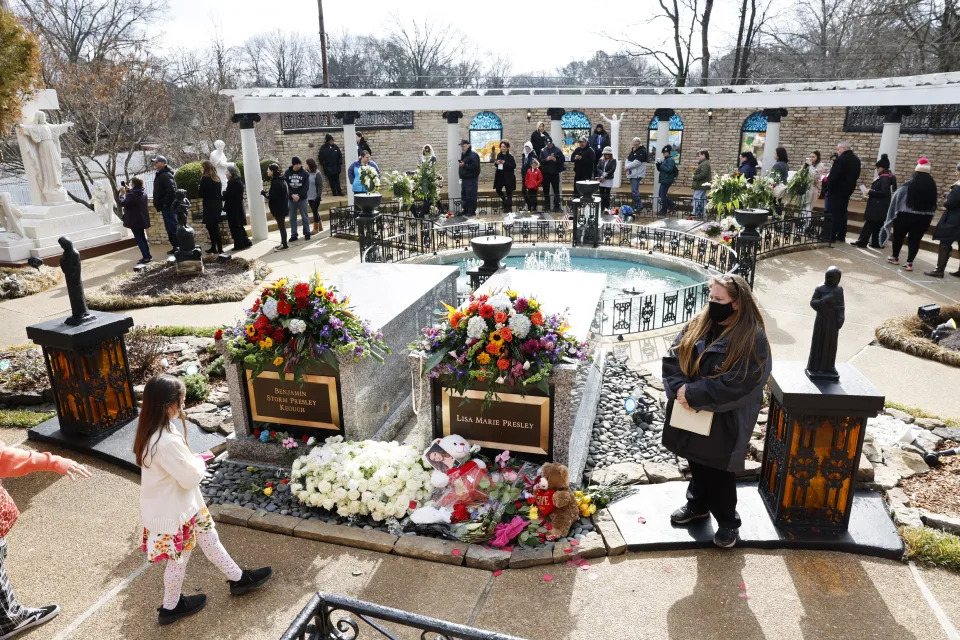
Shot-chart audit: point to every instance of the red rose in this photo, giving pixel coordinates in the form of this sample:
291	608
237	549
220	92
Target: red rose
500	317
218	335
261	322
412	505
283	307
285	481
503	364
278	335
486	311
460	513
531	500
273	434
548	527
270	484
301	303
256	305
518	504
305	438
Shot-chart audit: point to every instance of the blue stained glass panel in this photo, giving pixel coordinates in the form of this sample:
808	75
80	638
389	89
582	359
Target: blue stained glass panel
755	122
676	124
574	120
486	121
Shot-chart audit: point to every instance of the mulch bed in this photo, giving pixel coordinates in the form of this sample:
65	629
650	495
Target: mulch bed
17	282
160	285
939	490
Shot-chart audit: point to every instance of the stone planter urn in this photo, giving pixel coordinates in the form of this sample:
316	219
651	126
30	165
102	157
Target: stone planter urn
587	187
491	249
368	202
750	219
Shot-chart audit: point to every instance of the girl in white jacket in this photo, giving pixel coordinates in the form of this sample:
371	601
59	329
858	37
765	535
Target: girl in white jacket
175	518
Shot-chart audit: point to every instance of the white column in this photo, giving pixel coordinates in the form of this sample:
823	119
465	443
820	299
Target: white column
453	156
251	174
349	148
556	132
663	139
772	139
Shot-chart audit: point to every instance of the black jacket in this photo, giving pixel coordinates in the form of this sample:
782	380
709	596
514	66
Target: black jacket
297	181
781	170
211	196
606	169
471	165
233	203
363	146
640	153
734	398
878	198
277	197
949	226
538	140
598	146
584	161
507	176
331	159
164	189
135	214
555	167
528	159
844	175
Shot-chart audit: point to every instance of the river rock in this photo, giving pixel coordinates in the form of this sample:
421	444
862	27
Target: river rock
621	474
904	463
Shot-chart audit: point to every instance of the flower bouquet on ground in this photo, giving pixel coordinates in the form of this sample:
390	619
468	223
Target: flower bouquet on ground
503	340
366	478
294	322
369	179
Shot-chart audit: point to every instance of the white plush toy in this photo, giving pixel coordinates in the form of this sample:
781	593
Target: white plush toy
432	515
456	449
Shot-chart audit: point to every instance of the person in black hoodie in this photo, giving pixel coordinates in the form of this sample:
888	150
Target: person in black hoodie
551	164
584	161
362	145
297	177
878	201
135	215
331	160
841	182
233	206
539	138
469	178
277	199
164	198
505	177
599	141
211	197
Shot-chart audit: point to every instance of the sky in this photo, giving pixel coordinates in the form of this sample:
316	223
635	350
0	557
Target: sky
186	23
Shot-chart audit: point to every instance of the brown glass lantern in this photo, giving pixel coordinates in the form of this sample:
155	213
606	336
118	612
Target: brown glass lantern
815	432
89	373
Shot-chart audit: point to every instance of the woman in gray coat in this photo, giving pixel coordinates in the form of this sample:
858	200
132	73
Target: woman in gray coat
720	363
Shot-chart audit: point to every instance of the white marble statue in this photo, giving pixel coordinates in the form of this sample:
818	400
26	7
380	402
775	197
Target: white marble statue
614	123
219	160
104	203
42	156
12	218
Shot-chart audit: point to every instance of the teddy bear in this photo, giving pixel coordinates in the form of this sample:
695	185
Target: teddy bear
555	502
453	453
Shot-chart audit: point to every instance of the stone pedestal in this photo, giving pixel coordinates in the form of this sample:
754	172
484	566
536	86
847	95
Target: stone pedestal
44	224
375	398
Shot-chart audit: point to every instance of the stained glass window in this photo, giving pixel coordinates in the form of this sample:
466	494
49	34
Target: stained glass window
676	138
753	134
486	131
575	124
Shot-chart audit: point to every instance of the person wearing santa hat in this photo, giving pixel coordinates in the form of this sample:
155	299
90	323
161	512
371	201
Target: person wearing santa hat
911	211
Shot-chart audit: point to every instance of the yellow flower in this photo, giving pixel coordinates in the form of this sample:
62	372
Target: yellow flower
512	294
483	357
578	494
534	514
251	330
279	283
319	291
268	491
586	499
266	343
533	305
278	361
495	337
593	509
262	344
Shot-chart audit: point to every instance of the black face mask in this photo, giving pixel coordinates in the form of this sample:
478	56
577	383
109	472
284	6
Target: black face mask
719	311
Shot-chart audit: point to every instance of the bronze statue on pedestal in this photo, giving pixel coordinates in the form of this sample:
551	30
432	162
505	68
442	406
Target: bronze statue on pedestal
828	302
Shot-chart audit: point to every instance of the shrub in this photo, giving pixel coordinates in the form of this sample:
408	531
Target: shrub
196	387
188	177
144	353
936	547
216	369
22	418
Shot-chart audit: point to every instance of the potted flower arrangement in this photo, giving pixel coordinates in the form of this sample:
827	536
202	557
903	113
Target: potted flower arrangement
500	341
402	186
727	193
294	323
427	186
798	187
370	199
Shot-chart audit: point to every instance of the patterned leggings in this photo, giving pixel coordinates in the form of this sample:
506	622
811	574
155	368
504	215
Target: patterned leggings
175	572
11	612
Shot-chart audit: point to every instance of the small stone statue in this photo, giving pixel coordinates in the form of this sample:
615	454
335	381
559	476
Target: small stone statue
186	237
104	204
70	265
219	160
12	217
828	302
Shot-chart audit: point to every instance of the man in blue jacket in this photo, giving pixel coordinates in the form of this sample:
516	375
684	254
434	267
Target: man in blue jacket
298	188
469	178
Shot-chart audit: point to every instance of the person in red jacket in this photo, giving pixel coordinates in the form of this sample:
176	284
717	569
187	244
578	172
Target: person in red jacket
14	462
532	181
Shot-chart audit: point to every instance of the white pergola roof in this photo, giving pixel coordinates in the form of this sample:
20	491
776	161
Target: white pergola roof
934	88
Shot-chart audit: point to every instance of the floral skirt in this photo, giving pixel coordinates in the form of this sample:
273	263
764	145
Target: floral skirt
167	546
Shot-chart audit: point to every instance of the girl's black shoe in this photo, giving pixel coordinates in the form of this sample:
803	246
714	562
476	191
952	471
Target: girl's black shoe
250	579
187	606
211	251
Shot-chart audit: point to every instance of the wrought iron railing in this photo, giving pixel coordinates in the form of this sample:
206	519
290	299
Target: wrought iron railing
333	617
790	233
638	313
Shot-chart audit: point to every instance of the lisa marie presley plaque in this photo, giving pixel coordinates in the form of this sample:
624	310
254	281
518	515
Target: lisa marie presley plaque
515	422
312	403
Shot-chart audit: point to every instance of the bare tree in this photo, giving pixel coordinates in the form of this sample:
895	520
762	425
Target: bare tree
705	42
421	54
278	58
674	54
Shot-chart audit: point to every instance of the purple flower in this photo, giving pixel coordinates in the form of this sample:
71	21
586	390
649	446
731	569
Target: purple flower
336	323
521	305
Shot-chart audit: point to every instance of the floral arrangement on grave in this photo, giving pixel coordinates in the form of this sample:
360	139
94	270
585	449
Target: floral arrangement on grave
504	340
366	478
798	187
294	322
727	193
427	184
369	179
402	186
760	193
712	229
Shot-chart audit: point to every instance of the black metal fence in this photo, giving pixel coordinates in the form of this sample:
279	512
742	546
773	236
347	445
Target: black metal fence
329	617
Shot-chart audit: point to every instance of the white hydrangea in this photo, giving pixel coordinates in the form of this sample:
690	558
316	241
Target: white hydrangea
520	325
270	308
500	302
476	327
297	326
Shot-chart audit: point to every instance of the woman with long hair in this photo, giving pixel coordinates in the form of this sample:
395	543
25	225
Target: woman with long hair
910	213
175	518
314	193
211	195
235	210
748	165
720	363
277	202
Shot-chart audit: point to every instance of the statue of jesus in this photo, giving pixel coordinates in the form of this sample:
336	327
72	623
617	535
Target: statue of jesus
43	154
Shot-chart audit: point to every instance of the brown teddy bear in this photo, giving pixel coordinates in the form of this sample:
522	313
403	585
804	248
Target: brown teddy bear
556	503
